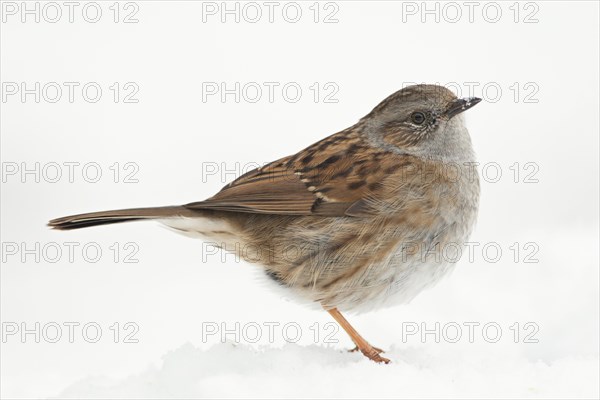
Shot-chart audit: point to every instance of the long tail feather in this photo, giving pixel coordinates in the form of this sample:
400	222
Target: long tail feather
117	216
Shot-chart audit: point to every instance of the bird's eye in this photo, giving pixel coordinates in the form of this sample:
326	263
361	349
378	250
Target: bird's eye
417	117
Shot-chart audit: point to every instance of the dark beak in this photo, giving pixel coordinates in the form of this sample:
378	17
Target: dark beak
460	105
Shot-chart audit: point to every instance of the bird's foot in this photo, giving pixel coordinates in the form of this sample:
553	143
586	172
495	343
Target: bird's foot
355	349
372	353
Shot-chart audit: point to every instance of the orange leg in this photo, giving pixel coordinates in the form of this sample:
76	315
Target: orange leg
361	344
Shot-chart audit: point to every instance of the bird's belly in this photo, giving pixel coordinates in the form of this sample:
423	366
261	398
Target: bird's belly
386	285
388	270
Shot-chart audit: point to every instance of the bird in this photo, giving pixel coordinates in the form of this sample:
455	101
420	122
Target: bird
357	221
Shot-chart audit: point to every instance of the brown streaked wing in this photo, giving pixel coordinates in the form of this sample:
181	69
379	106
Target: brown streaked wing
272	189
332	179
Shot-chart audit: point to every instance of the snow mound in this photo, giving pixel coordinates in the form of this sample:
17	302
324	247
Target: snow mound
234	371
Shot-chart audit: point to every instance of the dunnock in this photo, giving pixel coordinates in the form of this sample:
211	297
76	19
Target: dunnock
355	221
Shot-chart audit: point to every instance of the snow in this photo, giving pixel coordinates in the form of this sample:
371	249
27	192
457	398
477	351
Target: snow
240	371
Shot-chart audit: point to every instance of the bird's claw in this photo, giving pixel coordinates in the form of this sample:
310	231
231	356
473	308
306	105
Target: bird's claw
372	353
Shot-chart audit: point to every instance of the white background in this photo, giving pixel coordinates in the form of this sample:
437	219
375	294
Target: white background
172	135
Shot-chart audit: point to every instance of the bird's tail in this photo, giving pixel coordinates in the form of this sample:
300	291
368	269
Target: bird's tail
116	216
